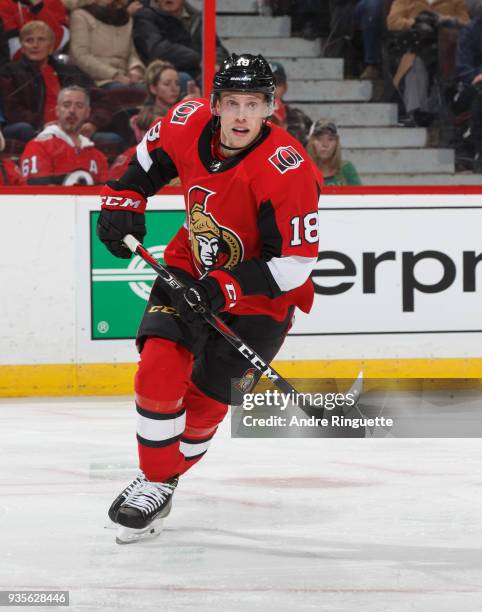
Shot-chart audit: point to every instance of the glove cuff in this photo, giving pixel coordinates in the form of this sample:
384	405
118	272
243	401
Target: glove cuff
122	200
224	291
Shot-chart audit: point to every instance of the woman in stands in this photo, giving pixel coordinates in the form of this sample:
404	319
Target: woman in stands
163	90
325	149
102	46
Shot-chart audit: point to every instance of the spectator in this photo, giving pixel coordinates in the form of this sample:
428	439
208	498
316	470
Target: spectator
102	44
309	19
29	86
171	30
163	90
469	74
4	51
60	155
474	7
369	20
295	121
419	21
144	120
9	173
324	148
342	25
16	13
163	87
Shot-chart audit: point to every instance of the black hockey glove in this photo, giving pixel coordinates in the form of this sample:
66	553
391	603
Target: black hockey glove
113	225
202	296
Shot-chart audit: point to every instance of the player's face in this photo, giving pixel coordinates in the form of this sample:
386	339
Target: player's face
167	88
241	116
325	146
72	111
36	46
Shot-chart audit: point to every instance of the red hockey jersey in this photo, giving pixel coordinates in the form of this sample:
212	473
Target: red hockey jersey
52	159
10	174
254	214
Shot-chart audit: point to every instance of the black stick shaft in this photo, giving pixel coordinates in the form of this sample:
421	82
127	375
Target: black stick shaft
300	399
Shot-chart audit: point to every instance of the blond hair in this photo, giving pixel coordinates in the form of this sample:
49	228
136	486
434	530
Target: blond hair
336	161
152	76
33	26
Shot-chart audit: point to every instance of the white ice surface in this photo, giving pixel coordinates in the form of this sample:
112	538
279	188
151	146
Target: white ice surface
259	525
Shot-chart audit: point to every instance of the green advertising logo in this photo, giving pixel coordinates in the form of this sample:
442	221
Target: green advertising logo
120	287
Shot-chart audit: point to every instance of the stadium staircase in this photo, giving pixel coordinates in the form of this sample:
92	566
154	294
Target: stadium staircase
383	152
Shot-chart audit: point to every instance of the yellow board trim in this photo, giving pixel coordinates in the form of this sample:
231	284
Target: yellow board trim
118	378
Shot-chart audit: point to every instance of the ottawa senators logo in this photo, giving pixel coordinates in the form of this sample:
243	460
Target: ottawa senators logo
184	111
286	158
212	244
246	382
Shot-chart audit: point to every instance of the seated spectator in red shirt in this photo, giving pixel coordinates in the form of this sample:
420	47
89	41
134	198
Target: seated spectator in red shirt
9	173
16	13
29	87
60	155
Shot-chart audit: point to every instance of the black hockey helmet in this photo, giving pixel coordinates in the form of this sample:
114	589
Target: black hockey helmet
245	73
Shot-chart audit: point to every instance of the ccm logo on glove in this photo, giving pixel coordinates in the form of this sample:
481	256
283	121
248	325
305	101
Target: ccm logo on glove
121	202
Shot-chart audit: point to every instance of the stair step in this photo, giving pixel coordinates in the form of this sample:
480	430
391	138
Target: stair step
401	161
274	47
421	179
253	26
329	69
382	137
237	6
321	91
350	114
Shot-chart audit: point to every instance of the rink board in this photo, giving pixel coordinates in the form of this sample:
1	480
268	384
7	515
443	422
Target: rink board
397	290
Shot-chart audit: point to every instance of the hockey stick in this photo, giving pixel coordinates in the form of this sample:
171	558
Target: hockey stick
258	362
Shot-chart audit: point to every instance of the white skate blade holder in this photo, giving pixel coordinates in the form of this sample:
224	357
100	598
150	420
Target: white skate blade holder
127	535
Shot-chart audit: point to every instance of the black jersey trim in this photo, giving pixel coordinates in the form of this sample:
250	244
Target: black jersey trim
135	178
255	278
272	241
214	165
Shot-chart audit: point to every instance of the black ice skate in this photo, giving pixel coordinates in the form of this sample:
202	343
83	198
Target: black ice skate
123	495
140	516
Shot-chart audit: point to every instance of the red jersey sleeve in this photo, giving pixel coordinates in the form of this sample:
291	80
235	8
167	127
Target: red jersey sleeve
10	174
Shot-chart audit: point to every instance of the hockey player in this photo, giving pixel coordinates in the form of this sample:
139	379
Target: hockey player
60	154
246	251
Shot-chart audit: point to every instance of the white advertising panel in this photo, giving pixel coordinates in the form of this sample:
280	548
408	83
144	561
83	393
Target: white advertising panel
391	265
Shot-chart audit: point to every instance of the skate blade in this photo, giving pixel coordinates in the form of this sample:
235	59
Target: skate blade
127	535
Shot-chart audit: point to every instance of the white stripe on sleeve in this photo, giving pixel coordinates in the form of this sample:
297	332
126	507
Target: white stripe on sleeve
143	156
291	272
